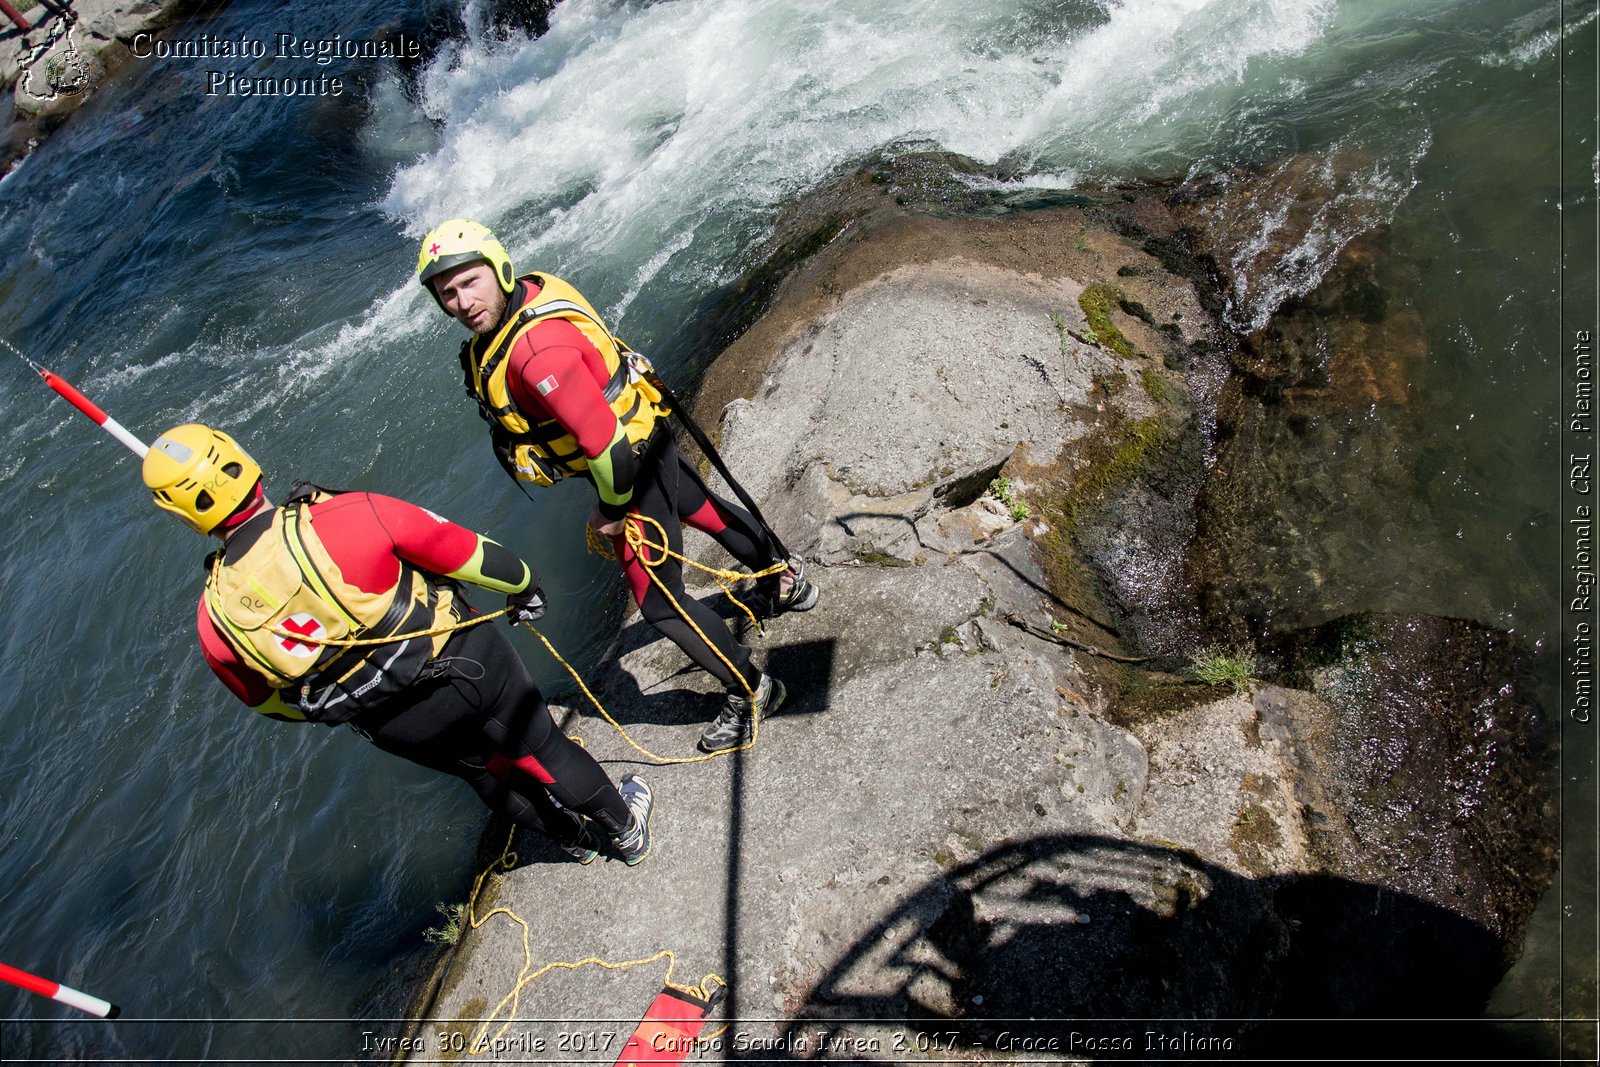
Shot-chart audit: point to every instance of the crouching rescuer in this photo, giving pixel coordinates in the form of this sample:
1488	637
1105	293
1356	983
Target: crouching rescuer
341	607
565	398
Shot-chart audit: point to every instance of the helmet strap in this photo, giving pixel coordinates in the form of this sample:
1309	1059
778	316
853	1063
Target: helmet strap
243	511
512	305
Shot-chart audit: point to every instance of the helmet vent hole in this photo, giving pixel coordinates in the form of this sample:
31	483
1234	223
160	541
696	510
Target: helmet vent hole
203	502
232	470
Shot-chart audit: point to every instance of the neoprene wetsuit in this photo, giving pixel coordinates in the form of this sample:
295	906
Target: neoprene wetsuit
479	715
554	372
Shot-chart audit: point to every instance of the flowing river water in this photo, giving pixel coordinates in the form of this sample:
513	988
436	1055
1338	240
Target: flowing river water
248	261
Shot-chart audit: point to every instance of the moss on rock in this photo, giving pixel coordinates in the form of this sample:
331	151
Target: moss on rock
1097	302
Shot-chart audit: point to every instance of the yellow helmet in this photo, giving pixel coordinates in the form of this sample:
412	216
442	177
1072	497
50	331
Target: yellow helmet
457	241
199	474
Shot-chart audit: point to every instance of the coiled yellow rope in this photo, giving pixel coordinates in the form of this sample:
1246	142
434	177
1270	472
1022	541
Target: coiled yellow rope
633	535
480	1042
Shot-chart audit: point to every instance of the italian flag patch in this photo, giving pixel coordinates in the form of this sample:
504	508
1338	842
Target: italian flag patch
547	386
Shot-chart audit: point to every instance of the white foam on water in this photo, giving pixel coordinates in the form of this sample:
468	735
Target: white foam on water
647	271
1158	67
1536	40
304	367
260	380
124	377
397	131
1048	180
628	129
1291	249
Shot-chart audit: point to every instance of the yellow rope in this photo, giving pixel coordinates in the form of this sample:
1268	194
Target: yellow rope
392	639
480	1043
633	535
658	760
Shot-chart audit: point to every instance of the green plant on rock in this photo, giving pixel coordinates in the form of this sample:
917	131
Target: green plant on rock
1097	302
1155	385
1117	453
1215	665
448	934
1128	456
1063	332
1004	491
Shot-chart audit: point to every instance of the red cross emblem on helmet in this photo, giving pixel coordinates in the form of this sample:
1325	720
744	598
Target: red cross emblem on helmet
433	249
307	628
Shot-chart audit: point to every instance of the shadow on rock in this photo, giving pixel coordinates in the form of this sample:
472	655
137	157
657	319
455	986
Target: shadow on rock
804	666
1079	944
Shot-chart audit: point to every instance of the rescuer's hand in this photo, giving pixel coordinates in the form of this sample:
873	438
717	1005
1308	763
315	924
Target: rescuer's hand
526	607
603	526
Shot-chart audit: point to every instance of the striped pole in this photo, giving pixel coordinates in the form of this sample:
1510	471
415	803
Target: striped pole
89	408
83	403
15	16
58	992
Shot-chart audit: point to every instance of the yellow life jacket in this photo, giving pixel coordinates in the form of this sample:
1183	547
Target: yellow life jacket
284	592
544	452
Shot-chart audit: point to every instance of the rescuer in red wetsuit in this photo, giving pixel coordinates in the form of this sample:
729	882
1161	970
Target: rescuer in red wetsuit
291	582
563	398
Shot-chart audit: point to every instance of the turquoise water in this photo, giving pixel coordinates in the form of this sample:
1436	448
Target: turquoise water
248	262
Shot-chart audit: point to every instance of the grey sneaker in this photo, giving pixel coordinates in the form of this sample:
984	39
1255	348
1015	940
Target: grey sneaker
734	724
801	595
586	847
633	844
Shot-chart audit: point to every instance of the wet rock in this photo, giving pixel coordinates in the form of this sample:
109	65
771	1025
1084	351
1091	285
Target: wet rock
59	64
1429	746
1298	410
982	800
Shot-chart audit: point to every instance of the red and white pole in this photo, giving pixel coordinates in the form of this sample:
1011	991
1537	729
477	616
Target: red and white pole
58	992
15	16
89	408
82	403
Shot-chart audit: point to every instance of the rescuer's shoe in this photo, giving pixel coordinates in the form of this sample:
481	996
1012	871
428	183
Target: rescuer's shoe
734	724
585	847
801	594
633	844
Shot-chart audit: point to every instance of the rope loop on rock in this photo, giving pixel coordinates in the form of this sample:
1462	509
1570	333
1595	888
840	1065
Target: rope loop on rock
508	1004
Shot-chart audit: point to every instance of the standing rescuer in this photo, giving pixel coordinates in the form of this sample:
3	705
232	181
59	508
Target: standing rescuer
291	582
563	397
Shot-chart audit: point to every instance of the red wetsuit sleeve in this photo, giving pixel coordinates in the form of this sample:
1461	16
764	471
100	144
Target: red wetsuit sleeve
242	681
368	534
556	373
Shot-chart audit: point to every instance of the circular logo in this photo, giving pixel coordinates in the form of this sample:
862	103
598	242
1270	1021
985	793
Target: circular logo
67	73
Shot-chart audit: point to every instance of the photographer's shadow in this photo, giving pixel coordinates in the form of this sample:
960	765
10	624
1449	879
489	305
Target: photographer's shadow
1083	927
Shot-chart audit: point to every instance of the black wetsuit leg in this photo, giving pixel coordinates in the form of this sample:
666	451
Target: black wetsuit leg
656	496
486	722
725	522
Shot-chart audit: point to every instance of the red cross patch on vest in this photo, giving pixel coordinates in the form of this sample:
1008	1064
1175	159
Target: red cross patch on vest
306	626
